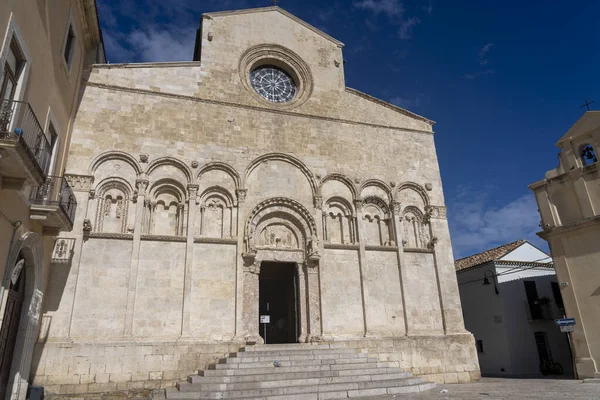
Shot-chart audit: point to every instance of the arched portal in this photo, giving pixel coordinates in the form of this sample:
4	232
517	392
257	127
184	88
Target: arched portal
281	266
28	248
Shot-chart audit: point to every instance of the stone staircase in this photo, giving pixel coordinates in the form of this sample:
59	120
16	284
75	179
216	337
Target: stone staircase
305	372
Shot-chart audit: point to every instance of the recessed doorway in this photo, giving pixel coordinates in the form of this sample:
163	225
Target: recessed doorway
278	299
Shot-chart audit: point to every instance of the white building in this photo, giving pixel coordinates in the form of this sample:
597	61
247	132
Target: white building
510	298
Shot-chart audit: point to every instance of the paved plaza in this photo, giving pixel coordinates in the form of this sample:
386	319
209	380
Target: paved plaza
502	388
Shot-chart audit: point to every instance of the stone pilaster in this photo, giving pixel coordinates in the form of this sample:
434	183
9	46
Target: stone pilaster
452	316
364	291
251	310
240	327
302	303
397	230
141	186
314	300
189	261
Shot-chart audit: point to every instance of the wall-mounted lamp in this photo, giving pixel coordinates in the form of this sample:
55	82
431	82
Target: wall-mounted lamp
486	281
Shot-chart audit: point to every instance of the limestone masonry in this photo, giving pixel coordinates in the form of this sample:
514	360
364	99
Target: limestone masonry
249	182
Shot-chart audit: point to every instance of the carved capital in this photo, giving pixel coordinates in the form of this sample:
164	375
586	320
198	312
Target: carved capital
358	203
87	226
253	268
396	207
180	206
80	183
140	186
318	202
192	190
241	195
437	212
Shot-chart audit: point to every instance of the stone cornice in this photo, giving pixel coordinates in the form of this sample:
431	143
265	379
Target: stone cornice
164	238
569	227
249	107
215	240
106	235
340	246
415	250
381	248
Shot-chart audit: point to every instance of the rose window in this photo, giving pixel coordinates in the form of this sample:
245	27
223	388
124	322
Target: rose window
273	83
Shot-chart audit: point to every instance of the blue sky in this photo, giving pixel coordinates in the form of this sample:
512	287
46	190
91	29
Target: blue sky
503	81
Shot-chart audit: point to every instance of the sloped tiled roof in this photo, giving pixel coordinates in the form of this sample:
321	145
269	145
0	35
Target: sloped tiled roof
486	256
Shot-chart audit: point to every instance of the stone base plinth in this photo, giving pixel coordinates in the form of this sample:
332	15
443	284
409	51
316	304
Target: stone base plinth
76	368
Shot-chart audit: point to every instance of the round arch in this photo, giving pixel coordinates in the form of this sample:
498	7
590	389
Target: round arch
414	186
285	158
173	162
377	183
220	166
341	178
114	155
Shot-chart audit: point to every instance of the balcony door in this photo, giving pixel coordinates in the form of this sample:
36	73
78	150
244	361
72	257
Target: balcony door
12	70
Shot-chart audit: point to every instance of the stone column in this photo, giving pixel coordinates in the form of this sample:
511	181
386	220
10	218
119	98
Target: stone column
314	300
180	218
452	316
358	204
397	229
251	286
141	186
302	306
186	329
240	285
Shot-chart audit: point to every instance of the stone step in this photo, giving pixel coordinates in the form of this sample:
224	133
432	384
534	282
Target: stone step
293	346
284	382
324	391
297	363
375	374
297	357
303	368
291	352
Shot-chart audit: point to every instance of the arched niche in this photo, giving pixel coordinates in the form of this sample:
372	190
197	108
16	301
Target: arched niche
415	233
339	224
113	206
376	188
410	193
164	208
216	213
169	168
376	222
588	154
337	185
218	174
114	164
276	174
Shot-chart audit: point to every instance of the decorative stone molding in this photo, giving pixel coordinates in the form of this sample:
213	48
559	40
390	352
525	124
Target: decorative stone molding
437	212
144	158
63	250
80	183
429	186
215	240
281	57
92	194
164	238
107	235
396	208
414	250
358	204
432	243
382	248
141	185
253	268
341	246
194	164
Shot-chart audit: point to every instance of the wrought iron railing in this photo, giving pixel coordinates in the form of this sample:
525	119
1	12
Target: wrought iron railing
56	191
19	123
537	310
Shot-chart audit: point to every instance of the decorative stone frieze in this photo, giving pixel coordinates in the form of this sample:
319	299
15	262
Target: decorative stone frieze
80	183
63	250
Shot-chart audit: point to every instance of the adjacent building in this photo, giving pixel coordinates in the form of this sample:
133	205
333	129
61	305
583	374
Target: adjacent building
250	181
510	298
569	204
45	48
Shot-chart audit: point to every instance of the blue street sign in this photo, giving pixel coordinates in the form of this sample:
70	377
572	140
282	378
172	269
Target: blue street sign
564	321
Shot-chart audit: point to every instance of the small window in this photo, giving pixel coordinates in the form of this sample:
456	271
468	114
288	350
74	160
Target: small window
588	155
557	296
479	346
52	137
69	46
13	67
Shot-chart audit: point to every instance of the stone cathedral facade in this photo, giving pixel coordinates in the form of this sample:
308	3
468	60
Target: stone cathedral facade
249	182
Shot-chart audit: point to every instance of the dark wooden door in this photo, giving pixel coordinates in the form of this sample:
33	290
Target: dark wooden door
10	327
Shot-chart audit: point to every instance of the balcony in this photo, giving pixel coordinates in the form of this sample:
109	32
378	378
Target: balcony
539	310
53	204
24	149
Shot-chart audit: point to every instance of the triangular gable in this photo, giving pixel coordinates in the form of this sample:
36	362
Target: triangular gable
588	122
528	253
279	10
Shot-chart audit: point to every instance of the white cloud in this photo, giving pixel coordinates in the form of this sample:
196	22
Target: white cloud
479	73
483	54
406	27
163	45
478	226
391	8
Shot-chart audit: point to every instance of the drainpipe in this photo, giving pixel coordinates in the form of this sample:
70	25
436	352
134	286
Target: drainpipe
16	225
